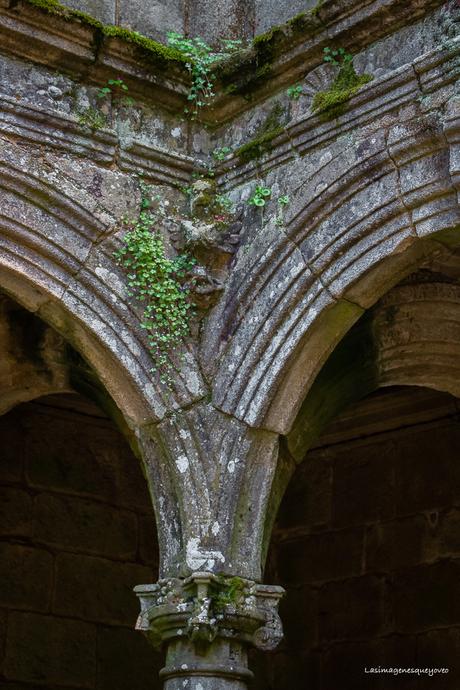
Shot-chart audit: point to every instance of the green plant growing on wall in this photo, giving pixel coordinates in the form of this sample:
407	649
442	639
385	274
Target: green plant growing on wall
159	284
260	196
283	201
294	92
224	203
92	118
337	57
231	591
117	89
201	60
221	153
332	103
266	132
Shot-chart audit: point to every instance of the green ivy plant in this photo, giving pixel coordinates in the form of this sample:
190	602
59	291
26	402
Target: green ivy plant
200	62
159	284
260	196
224	203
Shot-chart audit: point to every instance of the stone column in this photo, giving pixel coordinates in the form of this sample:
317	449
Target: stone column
207	622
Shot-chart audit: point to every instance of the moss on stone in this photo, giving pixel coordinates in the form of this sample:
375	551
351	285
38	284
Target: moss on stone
243	74
249	69
303	23
230	592
149	51
257	147
332	103
55	8
271	128
316	9
266	46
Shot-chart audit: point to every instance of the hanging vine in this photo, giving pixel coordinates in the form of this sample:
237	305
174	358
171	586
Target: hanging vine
159	284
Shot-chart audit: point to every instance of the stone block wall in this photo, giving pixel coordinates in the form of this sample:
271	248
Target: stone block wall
367	546
152	18
211	20
77	534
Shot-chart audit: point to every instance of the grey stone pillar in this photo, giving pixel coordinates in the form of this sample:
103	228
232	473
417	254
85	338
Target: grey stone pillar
207	623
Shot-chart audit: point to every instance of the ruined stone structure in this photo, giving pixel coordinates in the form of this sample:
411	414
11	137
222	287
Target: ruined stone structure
303	442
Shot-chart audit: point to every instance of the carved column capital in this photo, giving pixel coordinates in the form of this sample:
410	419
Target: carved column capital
205	606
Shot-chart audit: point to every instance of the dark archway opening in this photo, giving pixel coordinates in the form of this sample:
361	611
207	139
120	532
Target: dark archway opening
77	533
367	545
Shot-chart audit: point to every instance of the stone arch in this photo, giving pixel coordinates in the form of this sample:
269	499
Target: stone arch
60	227
411	337
58	260
394	199
33	362
408	341
366	543
77	534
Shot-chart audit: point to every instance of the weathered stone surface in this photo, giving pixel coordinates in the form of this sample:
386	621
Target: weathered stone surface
311	503
84	526
26	576
423	484
322	556
373	196
352	608
397	544
57	520
222	19
43	649
425	597
363	485
105	11
125	660
97	589
15	512
152	18
398	551
235	456
270	13
102	470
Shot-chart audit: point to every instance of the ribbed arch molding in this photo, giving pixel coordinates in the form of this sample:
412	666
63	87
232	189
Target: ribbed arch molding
365	216
56	258
410	338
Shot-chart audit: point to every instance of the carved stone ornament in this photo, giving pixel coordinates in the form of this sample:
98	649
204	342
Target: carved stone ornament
205	606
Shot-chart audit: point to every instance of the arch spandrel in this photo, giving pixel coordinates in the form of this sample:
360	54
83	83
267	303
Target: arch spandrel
394	199
373	195
57	258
